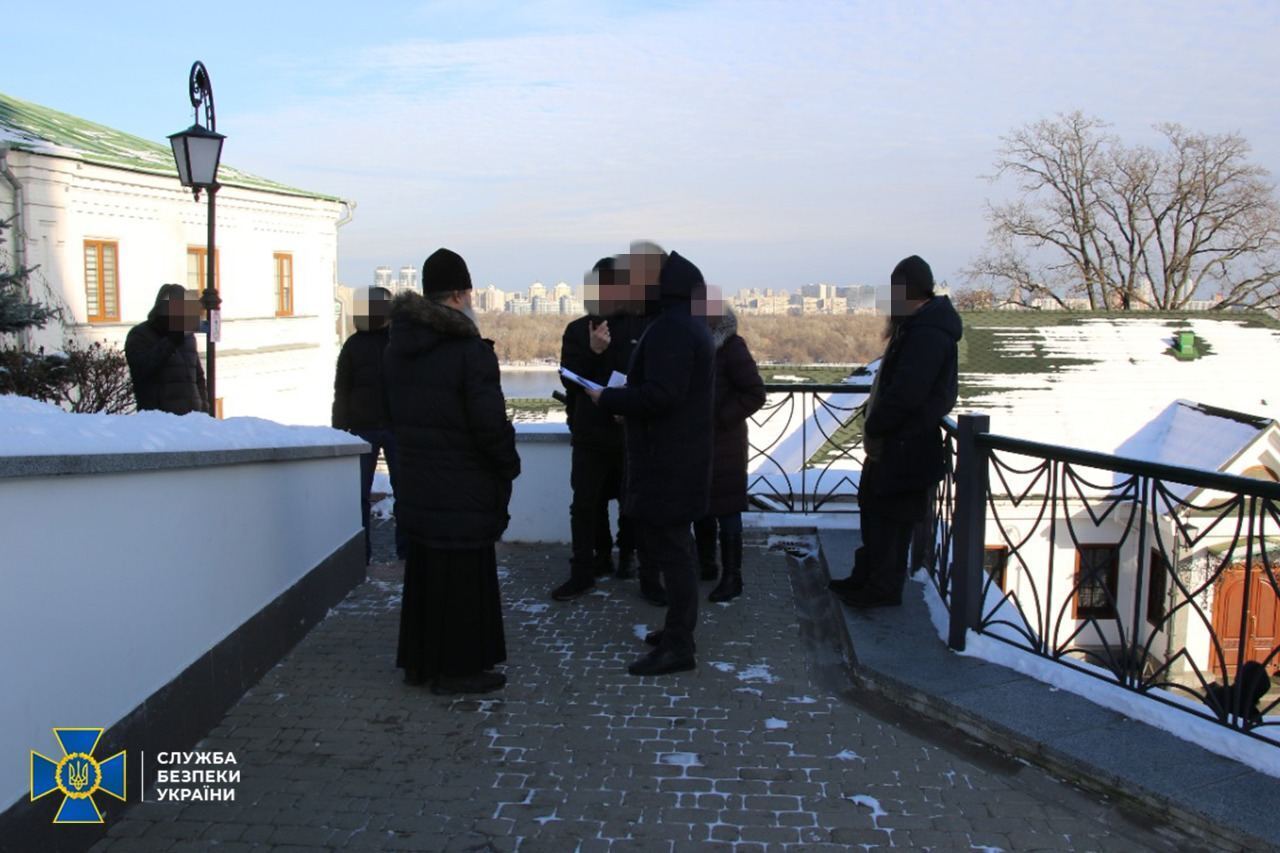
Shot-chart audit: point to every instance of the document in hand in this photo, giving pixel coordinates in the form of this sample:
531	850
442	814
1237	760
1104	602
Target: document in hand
581	380
617	380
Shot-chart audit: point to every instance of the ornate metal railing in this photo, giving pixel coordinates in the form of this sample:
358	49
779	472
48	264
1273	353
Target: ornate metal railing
805	448
1157	578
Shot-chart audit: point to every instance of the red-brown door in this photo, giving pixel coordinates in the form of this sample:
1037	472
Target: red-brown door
1260	630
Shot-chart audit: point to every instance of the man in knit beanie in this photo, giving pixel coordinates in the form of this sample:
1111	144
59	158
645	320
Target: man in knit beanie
915	386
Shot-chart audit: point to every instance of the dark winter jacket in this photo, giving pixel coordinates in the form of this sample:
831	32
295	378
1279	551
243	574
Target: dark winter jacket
359	396
588	425
739	393
165	366
666	406
915	387
457	450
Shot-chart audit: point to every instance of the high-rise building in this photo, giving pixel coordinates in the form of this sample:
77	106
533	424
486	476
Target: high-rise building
382	277
537	289
408	279
561	290
489	299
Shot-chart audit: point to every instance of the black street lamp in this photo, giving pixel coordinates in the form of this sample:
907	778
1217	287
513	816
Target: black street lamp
197	151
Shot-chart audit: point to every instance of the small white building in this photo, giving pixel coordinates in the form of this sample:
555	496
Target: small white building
1098	574
102	216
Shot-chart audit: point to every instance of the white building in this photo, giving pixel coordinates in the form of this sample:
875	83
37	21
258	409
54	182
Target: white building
101	213
1114	384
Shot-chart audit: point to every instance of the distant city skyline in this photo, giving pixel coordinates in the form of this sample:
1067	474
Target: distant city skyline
774	145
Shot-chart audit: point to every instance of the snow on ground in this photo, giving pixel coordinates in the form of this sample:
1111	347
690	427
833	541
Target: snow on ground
32	428
1187	726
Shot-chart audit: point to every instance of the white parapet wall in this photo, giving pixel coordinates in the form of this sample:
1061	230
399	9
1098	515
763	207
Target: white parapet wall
121	569
541	494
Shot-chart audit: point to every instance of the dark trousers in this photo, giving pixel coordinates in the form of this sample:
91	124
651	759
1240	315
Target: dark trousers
668	549
596	479
728	525
384	440
888	524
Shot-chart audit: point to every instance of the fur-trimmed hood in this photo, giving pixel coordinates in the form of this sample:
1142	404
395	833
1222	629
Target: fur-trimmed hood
723	327
420	324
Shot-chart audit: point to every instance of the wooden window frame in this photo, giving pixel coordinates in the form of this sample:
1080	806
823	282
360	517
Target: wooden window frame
1157	588
1001	579
101	317
284	296
1111	580
202	268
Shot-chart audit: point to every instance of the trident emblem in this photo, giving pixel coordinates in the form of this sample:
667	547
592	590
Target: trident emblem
78	776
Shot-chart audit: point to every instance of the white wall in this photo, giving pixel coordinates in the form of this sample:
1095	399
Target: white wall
279	368
541	494
115	583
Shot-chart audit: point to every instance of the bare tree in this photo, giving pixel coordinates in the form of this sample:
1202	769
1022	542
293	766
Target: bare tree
1126	227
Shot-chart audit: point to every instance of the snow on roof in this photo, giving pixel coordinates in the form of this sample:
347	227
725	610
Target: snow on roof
31	127
1098	383
32	428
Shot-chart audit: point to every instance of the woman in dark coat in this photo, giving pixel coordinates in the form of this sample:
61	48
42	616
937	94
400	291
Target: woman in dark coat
739	393
457	461
162	357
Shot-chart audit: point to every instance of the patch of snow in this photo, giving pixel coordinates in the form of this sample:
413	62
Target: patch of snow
32	428
641	631
802	700
775	723
1190	727
680	759
847	755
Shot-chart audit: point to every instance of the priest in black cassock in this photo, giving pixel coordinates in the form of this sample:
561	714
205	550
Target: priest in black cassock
457	461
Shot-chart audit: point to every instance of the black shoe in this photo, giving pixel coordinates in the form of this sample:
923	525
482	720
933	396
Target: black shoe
866	598
414	676
480	682
654	594
571	589
654	638
845	585
662	661
625	571
729	588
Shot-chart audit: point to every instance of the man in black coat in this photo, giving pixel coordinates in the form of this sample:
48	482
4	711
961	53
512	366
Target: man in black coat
666	407
360	399
594	347
457	460
163	362
914	388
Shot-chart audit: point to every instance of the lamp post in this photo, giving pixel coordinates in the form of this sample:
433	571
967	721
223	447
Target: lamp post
197	151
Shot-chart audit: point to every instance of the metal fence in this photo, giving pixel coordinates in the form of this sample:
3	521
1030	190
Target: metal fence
805	448
1156	578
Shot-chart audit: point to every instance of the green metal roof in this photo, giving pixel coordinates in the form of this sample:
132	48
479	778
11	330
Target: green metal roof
30	127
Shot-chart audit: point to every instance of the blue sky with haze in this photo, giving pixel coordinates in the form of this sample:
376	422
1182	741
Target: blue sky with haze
774	144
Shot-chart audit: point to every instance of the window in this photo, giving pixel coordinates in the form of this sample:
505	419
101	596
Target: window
198	267
284	284
1157	587
995	559
102	281
1097	567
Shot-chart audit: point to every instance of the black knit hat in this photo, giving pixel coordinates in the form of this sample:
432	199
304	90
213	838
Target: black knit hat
445	271
916	275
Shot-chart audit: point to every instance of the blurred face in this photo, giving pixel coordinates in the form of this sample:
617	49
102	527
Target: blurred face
373	309
184	314
606	291
711	305
642	285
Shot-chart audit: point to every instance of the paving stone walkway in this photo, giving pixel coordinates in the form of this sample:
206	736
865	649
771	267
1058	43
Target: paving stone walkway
757	749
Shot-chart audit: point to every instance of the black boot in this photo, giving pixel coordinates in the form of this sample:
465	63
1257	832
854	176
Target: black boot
730	586
704	536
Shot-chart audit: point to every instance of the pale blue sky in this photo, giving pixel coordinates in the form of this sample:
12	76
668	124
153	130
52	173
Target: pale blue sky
774	144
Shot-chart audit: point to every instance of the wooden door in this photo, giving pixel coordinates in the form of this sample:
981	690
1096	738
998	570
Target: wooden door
1261	628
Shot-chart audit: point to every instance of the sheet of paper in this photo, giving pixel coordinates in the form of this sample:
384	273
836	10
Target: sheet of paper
580	380
617	380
